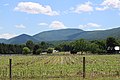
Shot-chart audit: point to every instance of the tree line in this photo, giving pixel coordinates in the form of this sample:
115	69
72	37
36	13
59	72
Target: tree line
81	45
11	48
28	48
94	47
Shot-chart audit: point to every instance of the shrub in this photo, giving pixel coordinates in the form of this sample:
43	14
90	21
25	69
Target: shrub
38	51
26	50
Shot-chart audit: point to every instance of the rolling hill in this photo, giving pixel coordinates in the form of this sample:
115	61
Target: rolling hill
3	40
56	35
20	39
95	35
64	34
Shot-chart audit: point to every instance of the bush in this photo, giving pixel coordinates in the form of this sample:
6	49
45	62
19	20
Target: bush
26	50
38	51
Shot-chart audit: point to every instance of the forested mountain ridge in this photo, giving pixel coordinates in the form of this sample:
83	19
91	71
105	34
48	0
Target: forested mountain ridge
56	35
99	34
64	34
20	39
3	40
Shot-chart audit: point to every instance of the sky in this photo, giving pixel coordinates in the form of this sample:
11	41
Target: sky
35	16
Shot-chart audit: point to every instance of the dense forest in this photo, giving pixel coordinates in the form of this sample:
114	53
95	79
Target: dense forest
106	46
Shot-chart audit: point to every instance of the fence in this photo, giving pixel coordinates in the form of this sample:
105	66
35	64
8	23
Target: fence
10	68
59	67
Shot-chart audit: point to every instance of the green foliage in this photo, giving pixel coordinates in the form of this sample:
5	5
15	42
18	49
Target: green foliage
111	43
21	39
38	51
10	49
26	50
98	47
94	46
64	34
50	50
58	48
80	45
43	45
63	47
36	47
30	44
56	35
73	34
40	47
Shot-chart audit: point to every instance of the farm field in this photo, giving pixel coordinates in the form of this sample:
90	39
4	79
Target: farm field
60	67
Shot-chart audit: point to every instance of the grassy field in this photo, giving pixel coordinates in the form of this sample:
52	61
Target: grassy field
60	67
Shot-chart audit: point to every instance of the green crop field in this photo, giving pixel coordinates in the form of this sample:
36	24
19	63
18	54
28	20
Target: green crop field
60	67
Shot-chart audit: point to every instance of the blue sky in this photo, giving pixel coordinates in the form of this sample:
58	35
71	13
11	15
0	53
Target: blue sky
34	16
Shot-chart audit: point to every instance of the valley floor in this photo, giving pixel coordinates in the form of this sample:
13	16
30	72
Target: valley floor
60	67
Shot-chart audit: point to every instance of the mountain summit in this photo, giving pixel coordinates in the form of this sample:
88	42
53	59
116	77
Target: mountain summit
64	34
56	35
20	39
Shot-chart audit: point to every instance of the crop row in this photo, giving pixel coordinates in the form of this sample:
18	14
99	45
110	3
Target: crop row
46	66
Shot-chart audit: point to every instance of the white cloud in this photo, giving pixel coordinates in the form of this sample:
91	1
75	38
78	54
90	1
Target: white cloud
57	25
112	3
86	7
101	9
43	24
93	25
107	4
35	8
90	26
7	35
20	26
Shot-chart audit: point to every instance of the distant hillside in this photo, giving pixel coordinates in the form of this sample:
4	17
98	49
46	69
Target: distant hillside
56	35
95	35
21	39
64	35
3	40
